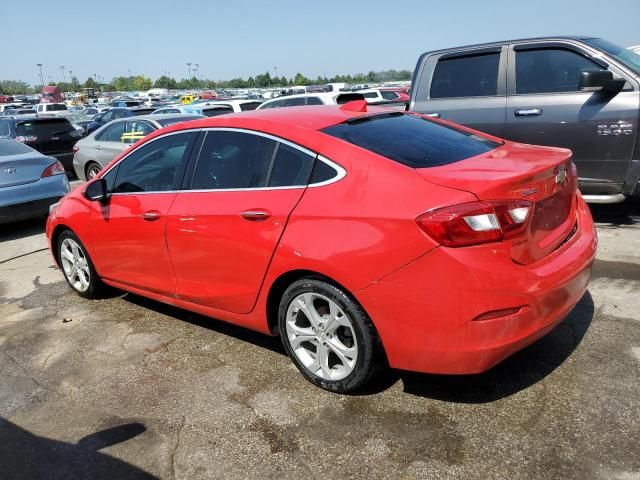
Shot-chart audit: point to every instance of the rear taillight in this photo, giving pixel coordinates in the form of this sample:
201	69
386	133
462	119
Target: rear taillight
75	149
53	169
476	222
26	138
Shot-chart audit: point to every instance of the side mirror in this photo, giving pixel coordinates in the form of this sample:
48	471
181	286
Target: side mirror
97	191
597	80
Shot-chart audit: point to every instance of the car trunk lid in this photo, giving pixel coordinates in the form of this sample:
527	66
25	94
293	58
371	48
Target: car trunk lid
23	169
544	176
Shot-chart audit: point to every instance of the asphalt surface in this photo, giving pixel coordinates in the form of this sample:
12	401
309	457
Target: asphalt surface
129	388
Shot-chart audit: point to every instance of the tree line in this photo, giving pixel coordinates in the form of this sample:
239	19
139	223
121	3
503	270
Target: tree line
264	80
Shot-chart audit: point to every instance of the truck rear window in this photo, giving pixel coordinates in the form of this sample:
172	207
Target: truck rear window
411	140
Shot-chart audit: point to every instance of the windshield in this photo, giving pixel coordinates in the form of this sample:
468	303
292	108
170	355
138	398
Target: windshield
623	55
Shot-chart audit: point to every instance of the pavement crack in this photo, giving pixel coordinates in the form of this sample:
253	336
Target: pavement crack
175	447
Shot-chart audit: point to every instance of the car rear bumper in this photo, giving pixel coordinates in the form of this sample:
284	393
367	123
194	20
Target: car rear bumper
66	159
32	199
426	311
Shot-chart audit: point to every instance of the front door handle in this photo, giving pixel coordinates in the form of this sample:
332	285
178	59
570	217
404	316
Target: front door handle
433	114
255	215
151	215
528	112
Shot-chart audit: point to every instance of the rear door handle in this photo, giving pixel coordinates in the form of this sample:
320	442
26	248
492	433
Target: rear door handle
151	216
255	215
433	114
527	112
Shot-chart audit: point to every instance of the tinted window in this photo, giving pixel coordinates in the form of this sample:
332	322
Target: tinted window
112	133
154	166
249	106
8	147
314	101
274	104
389	95
44	128
411	140
295	102
550	70
106	116
291	167
233	160
468	76
370	95
56	107
322	172
214	112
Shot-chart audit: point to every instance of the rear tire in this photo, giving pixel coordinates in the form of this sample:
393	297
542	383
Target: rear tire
328	336
91	170
77	267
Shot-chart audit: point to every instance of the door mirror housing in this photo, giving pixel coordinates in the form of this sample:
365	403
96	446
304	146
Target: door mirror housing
600	80
97	190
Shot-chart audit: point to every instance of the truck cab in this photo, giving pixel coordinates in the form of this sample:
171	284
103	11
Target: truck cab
581	93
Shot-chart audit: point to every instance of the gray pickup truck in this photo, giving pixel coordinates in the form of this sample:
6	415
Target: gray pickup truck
581	93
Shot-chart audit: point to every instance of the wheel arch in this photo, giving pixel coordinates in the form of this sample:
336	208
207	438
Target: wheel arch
55	237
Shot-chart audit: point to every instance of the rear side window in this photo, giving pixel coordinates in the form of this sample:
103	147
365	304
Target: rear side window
411	140
550	70
295	102
388	95
44	128
467	76
290	168
249	106
233	160
314	101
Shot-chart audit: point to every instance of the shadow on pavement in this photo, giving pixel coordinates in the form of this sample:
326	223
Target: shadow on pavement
516	373
27	456
25	228
626	213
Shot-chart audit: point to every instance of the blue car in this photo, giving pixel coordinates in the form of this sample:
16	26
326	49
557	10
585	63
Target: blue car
29	182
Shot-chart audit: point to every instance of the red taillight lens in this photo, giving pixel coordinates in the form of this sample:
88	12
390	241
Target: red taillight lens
476	222
53	169
26	138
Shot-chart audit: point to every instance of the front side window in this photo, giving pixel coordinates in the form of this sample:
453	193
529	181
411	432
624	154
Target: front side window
154	166
550	70
466	76
233	160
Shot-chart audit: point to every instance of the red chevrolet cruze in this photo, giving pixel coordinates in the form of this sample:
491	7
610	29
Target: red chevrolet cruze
362	238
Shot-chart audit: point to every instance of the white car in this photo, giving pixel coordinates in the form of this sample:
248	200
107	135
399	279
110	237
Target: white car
320	98
55	108
211	108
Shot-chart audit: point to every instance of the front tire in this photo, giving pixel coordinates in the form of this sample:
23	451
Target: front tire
328	336
77	266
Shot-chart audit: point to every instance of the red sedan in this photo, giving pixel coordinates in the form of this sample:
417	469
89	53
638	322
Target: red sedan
363	238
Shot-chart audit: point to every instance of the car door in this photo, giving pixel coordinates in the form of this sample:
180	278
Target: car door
108	143
128	230
466	87
545	106
222	232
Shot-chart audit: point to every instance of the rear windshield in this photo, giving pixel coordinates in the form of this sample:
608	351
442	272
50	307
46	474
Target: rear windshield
411	140
9	147
43	128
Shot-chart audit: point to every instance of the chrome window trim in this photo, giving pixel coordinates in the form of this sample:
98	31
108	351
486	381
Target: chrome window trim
340	171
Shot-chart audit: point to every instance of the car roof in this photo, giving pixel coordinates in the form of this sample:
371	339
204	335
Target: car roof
517	40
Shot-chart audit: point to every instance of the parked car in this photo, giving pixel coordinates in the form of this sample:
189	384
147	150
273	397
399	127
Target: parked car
330	98
29	182
50	135
234	105
113	113
360	235
54	108
575	92
187	99
95	151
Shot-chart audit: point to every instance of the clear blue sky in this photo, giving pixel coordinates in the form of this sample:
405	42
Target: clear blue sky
242	38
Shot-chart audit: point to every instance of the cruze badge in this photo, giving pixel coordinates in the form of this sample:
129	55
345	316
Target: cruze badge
561	176
529	191
10	170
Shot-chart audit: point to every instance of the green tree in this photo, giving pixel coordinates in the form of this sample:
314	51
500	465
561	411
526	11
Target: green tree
121	83
165	82
141	83
90	83
300	80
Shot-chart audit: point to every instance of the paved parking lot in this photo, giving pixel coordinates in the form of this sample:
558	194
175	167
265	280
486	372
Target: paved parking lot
128	388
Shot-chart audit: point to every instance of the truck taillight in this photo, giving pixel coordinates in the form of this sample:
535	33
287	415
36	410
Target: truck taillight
53	169
476	222
26	138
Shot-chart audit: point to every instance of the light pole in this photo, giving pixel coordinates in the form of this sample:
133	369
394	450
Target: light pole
41	77
188	70
197	71
63	79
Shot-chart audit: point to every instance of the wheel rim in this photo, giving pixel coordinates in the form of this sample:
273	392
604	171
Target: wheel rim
321	336
75	264
93	171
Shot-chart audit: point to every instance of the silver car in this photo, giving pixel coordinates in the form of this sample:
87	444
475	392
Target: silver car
95	151
29	182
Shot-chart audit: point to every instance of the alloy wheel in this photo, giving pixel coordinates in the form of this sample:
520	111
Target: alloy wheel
93	171
75	265
321	336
